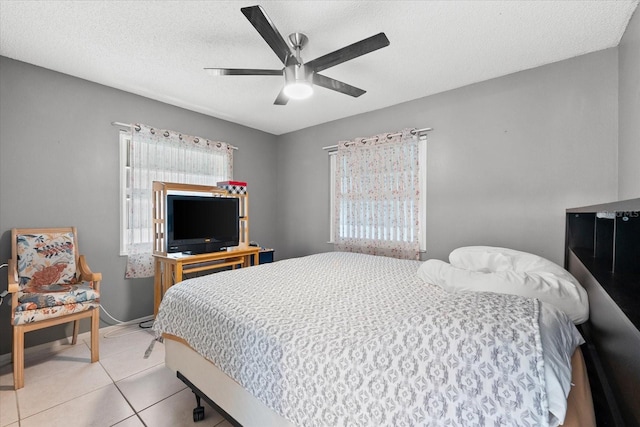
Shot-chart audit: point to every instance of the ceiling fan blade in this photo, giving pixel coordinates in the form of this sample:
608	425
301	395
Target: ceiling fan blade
242	72
337	85
282	99
268	31
349	52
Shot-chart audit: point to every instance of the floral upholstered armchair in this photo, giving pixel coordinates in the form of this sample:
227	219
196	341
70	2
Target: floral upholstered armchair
50	284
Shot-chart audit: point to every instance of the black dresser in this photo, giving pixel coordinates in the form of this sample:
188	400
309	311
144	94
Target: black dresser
602	250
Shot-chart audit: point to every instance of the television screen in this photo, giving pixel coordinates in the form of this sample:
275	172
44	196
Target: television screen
201	224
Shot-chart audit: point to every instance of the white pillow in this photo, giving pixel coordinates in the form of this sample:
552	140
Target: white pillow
480	258
488	258
559	290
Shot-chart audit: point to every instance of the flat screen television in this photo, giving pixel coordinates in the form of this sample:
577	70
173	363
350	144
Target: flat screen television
200	224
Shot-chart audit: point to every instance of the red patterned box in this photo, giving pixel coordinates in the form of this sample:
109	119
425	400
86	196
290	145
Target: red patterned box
234	187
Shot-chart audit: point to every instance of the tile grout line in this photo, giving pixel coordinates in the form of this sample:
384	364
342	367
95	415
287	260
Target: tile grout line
115	383
159	401
20	418
57	346
130	375
60	346
135	413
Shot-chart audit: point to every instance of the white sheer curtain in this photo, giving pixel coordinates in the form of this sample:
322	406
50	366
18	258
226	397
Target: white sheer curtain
377	195
162	155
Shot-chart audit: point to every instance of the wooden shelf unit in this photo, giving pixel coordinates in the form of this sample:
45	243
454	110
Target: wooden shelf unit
168	269
159	200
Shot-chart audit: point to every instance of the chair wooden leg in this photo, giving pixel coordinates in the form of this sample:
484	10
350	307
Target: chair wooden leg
18	357
76	329
95	335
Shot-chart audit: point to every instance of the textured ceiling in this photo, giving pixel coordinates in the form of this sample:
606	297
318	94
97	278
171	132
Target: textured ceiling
158	49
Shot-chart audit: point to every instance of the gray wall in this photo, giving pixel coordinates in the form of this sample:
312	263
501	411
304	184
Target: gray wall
59	166
506	158
629	105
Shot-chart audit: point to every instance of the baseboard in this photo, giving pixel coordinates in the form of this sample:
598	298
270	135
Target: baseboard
52	346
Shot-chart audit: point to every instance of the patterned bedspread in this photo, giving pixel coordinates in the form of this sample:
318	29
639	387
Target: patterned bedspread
341	339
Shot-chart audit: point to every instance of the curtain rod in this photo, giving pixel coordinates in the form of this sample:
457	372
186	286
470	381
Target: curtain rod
128	125
418	131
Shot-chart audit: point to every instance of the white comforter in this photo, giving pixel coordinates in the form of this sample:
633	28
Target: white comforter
342	339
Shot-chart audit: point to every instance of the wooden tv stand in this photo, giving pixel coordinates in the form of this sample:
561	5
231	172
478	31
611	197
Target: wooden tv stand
169	269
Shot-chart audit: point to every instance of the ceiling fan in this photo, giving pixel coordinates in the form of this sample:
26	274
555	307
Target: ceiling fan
300	76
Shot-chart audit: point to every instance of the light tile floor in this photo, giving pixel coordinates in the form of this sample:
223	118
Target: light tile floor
123	389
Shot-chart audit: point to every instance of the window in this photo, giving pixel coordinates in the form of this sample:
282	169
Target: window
161	156
367	210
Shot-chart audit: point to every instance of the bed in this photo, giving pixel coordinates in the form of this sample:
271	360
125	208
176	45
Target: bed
350	339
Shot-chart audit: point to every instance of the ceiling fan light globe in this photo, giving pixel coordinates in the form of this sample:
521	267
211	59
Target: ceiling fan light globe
298	90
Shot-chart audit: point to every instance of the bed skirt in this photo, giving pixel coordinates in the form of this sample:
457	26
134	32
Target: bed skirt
250	412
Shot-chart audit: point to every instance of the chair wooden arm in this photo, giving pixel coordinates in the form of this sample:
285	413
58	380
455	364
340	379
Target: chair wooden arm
12	277
86	275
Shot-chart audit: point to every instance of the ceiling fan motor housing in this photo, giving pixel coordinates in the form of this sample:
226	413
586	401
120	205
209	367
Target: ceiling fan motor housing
298	81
